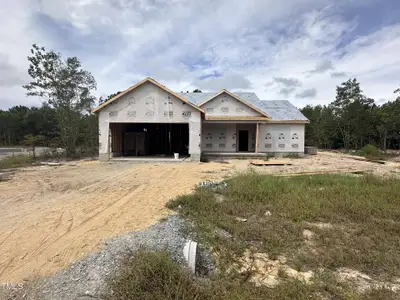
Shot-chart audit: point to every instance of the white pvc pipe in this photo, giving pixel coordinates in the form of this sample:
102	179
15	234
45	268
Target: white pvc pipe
189	252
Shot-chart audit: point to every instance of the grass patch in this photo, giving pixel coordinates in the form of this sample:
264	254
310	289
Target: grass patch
16	161
154	276
364	213
148	275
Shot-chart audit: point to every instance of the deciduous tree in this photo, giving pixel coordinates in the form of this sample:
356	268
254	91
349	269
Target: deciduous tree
65	86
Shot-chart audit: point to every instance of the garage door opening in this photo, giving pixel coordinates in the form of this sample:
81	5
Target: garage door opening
149	139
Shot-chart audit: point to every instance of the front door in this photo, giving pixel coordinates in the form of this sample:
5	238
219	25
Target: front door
243	140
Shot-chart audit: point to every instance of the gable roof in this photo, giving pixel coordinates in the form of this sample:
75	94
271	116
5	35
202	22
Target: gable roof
278	110
238	99
147	79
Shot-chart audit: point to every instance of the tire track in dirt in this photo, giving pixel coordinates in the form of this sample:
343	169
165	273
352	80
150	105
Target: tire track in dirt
49	245
8	235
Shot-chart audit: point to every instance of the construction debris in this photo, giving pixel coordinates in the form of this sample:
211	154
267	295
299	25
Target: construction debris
260	163
310	150
53	164
212	183
376	161
334	171
216	186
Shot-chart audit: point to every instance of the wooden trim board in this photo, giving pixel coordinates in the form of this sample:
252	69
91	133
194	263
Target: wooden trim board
275	162
335	171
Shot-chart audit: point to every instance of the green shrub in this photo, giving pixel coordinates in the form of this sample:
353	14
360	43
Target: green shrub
370	150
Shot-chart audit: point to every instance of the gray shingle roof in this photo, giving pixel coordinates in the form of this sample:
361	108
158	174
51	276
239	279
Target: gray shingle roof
197	98
278	110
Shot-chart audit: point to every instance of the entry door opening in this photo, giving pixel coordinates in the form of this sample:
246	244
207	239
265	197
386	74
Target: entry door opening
243	140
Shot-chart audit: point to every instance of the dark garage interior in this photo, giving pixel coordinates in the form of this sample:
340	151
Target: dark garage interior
149	139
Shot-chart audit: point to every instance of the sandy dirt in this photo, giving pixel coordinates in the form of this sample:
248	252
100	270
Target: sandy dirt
53	216
324	162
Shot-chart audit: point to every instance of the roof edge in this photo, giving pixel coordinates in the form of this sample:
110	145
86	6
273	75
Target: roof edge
136	85
237	98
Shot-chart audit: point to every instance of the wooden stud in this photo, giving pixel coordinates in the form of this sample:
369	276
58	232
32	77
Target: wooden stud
109	141
257	132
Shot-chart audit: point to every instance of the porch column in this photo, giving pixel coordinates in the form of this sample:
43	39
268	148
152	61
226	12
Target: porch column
257	125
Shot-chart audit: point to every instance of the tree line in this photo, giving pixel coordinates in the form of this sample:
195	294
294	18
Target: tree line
353	120
38	126
65	119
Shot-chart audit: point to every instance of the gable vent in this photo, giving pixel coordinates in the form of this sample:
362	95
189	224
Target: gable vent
131	113
209	110
149	113
224	109
239	110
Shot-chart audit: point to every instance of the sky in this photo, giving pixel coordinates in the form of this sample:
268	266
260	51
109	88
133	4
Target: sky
298	50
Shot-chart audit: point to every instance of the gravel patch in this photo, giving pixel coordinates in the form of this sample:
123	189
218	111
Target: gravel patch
86	279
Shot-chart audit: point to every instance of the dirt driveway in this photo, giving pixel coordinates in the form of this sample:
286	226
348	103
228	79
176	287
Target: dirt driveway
52	216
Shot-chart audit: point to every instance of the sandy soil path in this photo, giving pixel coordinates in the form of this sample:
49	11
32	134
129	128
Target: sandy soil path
52	216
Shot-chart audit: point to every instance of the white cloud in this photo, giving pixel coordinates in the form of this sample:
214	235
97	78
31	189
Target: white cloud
288	82
229	82
309	93
250	43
